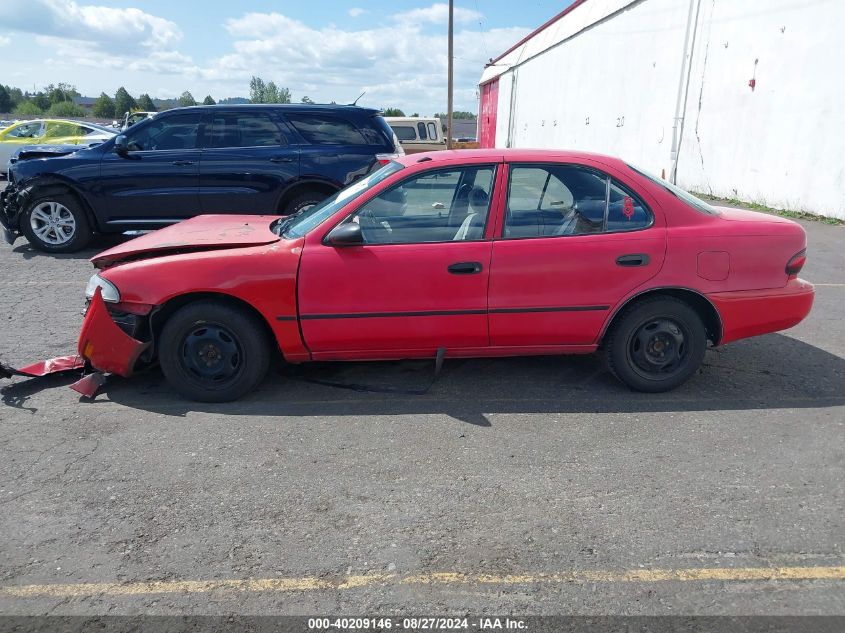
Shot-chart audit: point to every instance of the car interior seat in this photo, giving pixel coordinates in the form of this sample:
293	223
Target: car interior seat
472	228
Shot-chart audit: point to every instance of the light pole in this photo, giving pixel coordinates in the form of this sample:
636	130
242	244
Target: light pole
451	62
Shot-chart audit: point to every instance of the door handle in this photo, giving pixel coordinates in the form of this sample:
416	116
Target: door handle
281	159
182	163
465	268
635	259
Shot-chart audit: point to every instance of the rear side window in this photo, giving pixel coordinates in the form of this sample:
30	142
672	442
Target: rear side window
322	129
404	132
245	129
422	132
559	200
432	131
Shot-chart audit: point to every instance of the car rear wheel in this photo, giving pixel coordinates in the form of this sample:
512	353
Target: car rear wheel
656	344
56	224
213	352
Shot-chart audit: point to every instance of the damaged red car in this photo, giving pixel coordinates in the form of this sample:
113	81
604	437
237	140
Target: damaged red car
456	254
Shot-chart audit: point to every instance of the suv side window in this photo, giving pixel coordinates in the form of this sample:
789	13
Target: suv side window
558	200
245	129
323	129
178	131
441	206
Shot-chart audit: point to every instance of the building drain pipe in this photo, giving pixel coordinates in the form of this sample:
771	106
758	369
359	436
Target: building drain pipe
683	87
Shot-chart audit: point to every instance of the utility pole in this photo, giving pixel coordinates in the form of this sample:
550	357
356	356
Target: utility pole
451	63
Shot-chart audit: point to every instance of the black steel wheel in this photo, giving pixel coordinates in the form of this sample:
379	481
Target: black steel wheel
213	352
656	344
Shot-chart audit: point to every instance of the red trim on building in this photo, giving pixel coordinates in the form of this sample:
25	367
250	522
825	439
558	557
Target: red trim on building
568	9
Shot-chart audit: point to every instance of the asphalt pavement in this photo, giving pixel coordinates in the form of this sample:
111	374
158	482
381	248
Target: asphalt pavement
527	485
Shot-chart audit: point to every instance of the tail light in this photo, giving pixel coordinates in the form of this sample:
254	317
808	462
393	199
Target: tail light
383	159
796	263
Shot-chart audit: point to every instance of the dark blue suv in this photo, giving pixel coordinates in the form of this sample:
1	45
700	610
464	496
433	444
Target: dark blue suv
262	159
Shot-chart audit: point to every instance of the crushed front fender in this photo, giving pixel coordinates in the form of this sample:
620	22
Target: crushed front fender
103	344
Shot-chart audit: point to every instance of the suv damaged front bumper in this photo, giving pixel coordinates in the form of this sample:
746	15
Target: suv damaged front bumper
12	201
103	346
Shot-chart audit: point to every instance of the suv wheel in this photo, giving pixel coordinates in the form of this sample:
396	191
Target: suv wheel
303	201
56	224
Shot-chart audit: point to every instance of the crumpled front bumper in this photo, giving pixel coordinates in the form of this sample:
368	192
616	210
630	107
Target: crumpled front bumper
10	207
104	344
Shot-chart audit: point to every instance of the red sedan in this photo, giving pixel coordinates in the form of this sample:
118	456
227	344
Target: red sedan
455	254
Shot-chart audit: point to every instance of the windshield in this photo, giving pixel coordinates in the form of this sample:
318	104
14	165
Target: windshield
691	200
303	222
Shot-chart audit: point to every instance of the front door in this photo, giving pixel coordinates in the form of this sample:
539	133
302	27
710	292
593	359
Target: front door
574	242
418	283
247	163
157	181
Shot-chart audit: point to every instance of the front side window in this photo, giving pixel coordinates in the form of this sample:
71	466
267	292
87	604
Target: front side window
166	133
321	129
245	129
35	129
404	132
558	200
436	206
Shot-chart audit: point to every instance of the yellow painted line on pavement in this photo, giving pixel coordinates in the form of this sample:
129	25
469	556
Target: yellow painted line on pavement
277	585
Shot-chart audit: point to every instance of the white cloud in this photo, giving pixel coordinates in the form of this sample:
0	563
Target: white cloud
5	41
117	30
399	64
437	14
356	12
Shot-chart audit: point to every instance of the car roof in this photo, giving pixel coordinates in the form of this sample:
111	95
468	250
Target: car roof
316	107
510	155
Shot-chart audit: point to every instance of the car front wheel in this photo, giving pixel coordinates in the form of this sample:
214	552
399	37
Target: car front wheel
213	352
56	224
656	344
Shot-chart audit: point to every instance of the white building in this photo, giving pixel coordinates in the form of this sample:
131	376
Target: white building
737	98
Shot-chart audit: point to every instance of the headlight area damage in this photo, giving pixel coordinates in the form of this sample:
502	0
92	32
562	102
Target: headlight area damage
104	346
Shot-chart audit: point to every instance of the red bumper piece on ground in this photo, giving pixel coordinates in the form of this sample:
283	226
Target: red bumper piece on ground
104	344
45	367
90	384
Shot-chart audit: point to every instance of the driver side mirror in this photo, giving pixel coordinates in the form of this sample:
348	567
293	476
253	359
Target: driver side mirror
348	234
120	145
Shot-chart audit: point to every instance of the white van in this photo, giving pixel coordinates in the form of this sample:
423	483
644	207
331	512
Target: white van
418	134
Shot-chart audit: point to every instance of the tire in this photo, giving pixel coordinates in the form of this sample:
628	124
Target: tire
656	344
213	352
56	223
302	202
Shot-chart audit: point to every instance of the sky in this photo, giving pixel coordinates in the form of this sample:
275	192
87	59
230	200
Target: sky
394	52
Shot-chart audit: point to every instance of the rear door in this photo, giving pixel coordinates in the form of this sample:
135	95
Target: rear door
246	164
157	181
574	242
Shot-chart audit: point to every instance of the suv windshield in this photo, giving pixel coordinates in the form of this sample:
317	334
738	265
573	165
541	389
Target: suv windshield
300	224
691	200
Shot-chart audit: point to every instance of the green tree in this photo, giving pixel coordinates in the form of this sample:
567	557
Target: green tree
123	102
5	100
187	99
104	107
274	94
145	103
61	92
392	112
64	109
27	108
306	99
40	99
16	95
208	100
457	114
257	90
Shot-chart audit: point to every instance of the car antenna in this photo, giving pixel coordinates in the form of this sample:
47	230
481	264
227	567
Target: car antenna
359	97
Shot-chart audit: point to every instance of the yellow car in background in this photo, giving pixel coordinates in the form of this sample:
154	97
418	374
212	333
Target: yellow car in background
49	132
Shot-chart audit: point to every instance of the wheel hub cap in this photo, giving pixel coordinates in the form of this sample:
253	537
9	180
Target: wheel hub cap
52	223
